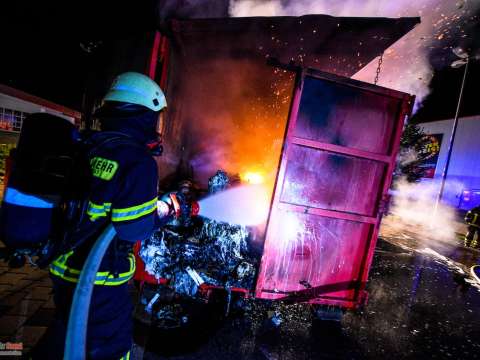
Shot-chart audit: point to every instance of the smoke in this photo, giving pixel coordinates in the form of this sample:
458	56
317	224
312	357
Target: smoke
406	64
244	205
413	213
407	156
239	127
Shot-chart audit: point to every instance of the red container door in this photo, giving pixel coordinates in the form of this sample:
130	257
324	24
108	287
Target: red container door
336	167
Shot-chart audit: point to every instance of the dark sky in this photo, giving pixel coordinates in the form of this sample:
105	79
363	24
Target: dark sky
442	101
41	52
40	41
445	86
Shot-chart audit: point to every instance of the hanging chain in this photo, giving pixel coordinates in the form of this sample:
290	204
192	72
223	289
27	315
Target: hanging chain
379	68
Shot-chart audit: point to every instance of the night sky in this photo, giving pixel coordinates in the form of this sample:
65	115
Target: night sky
441	103
42	52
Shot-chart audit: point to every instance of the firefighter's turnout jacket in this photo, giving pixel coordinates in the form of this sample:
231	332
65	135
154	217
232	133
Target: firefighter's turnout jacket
123	192
472	217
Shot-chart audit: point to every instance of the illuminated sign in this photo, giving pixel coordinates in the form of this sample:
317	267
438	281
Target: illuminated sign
429	152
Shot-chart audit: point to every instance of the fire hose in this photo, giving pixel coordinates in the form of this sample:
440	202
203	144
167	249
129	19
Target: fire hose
76	339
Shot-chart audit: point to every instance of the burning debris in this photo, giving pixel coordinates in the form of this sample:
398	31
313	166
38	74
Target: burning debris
215	254
201	252
218	182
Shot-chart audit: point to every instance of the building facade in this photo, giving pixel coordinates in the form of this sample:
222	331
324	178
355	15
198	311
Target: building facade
462	188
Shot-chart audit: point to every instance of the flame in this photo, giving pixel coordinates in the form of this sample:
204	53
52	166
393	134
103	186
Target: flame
253	177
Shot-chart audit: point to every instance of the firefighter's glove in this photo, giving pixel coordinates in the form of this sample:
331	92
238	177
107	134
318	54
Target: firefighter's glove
163	209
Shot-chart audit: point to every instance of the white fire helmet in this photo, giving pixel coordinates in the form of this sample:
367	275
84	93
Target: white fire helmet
136	88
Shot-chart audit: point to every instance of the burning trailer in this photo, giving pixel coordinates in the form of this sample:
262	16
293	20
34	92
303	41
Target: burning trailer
269	100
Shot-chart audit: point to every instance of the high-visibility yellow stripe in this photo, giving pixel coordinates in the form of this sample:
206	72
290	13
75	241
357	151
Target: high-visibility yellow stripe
133	208
95	217
95	206
134	212
58	268
62	260
64	277
96	211
126	356
134	216
105	207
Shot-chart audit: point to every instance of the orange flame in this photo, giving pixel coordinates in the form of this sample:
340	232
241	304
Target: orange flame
253	177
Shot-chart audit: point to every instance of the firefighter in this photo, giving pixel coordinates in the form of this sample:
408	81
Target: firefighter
218	182
124	193
472	218
178	208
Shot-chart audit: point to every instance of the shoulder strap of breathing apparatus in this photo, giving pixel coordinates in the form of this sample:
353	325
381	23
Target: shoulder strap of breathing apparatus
76	209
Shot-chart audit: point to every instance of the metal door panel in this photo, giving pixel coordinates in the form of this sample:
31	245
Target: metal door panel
309	250
345	113
336	167
326	180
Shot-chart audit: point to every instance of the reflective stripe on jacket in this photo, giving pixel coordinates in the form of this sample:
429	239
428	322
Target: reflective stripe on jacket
96	211
60	269
126	356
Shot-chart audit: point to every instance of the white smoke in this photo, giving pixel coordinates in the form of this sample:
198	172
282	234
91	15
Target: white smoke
407	156
406	66
414	213
246	205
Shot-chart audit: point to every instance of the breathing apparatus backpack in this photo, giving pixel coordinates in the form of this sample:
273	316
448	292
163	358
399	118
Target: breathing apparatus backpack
45	190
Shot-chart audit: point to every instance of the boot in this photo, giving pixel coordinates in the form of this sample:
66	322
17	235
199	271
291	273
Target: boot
467	240
475	243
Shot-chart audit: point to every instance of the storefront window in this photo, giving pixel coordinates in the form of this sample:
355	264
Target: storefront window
11	120
10	125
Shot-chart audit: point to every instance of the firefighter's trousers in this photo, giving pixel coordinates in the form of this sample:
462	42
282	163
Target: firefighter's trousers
109	331
472	237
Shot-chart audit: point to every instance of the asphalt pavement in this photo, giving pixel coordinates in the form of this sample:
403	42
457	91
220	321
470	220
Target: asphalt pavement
421	305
